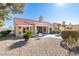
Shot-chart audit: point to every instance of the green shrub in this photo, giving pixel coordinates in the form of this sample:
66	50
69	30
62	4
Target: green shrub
8	31
55	32
27	35
67	34
70	37
4	33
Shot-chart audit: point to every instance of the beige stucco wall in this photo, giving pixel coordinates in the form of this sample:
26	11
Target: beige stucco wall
34	27
21	29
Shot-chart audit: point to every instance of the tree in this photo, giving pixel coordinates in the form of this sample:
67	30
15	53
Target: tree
6	9
57	28
64	23
1	23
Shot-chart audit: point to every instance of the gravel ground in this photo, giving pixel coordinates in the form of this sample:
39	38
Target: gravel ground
42	47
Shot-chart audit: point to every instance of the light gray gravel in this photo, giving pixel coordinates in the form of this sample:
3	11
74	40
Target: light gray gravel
42	47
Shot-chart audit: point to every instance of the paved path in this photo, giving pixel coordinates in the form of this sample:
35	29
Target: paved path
42	47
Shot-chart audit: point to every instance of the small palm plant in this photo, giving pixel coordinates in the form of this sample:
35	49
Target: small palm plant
27	35
39	35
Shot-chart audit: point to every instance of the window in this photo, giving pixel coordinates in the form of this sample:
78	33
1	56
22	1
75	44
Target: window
44	29
19	32
30	28
24	30
50	30
19	27
27	28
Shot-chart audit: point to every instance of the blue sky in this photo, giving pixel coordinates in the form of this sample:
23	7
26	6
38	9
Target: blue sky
52	12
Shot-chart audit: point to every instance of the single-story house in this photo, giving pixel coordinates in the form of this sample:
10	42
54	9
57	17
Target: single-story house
37	26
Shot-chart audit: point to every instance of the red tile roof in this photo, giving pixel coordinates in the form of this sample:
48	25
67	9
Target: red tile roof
24	21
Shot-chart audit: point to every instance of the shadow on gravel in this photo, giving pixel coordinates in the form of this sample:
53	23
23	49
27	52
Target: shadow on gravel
9	37
75	50
17	45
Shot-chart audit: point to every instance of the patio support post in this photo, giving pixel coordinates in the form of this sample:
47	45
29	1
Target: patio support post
48	30
35	29
22	30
